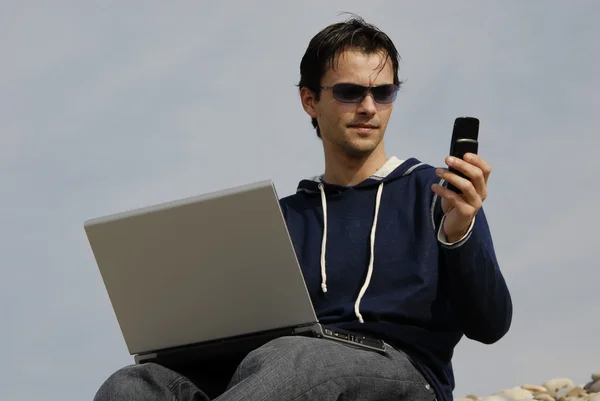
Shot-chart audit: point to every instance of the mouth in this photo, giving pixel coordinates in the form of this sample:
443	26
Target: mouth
363	126
364	129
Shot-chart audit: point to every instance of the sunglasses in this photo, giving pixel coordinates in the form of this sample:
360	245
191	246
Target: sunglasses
353	93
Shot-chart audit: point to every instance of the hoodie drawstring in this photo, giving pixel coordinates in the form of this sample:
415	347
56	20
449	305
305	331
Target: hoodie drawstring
324	240
372	258
371	262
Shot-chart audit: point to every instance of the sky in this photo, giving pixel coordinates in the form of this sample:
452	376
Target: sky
110	106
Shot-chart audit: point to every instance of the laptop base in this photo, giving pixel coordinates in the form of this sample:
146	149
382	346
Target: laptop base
230	348
237	348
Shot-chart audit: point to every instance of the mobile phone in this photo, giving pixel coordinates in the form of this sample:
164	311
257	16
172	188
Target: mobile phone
465	135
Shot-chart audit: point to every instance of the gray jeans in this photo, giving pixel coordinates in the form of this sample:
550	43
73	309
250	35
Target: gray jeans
288	368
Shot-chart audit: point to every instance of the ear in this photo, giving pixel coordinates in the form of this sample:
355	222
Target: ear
308	101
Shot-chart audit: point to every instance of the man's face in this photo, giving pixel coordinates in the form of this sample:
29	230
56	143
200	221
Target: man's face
356	129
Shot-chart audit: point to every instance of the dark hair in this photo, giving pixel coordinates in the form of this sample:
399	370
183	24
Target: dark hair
326	45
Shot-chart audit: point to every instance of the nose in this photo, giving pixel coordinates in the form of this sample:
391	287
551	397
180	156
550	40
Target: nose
367	106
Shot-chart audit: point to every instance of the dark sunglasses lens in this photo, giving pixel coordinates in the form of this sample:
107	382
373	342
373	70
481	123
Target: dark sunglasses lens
352	93
348	93
384	93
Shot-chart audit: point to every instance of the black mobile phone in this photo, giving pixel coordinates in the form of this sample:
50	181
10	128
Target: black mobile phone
465	135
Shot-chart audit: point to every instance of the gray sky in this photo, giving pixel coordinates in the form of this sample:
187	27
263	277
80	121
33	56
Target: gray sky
114	106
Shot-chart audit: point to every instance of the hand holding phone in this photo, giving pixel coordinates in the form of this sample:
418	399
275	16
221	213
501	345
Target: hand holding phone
465	136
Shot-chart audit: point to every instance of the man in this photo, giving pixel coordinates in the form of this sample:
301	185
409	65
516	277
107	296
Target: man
385	248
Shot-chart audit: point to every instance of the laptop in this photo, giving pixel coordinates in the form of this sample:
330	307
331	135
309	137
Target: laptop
207	276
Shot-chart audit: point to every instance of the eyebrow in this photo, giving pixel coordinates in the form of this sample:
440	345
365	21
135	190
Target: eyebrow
355	83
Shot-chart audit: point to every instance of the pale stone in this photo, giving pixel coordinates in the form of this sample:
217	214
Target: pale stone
595	397
562	393
518	393
596	376
496	397
543	396
576	392
463	399
555	385
534	388
473	397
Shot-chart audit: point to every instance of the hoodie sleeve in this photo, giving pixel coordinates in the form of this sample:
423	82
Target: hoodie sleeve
478	293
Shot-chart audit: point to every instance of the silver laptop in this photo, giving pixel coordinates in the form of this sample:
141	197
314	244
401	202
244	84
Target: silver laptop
206	275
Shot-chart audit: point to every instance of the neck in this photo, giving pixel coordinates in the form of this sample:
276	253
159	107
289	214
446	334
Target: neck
345	170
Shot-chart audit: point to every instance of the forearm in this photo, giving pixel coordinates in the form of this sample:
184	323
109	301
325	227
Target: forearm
478	292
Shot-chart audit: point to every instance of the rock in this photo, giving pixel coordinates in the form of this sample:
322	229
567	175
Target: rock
562	393
576	392
518	393
555	385
496	397
594	387
543	396
534	388
557	389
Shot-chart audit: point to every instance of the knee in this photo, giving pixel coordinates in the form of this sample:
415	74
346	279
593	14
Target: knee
134	382
277	361
296	343
296	349
291	355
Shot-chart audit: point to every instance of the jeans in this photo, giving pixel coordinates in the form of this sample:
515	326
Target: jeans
288	368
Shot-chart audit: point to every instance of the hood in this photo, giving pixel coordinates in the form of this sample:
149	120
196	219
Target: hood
392	170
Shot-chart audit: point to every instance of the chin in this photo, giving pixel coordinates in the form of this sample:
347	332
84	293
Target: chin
361	147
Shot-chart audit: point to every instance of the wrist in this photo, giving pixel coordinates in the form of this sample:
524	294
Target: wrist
452	238
456	239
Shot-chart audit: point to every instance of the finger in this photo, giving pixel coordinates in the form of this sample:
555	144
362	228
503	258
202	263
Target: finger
455	200
469	193
479	162
473	172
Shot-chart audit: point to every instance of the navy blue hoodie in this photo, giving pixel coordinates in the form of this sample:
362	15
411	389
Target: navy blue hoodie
375	261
